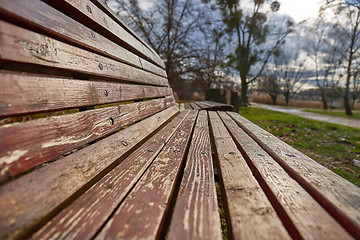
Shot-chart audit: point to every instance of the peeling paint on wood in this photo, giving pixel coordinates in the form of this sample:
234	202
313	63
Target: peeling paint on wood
136	218
251	215
338	196
84	218
21	45
40	94
196	213
311	220
44	139
24	205
43	16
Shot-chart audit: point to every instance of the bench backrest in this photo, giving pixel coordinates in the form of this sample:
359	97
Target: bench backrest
73	76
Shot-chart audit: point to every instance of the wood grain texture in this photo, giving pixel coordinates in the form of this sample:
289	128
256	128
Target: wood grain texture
250	212
188	106
196	213
182	106
20	45
24	206
84	218
38	14
88	14
194	106
311	220
142	213
102	5
203	105
338	196
41	94
25	145
215	106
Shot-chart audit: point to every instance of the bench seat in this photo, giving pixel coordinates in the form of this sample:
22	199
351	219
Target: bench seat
206	105
94	146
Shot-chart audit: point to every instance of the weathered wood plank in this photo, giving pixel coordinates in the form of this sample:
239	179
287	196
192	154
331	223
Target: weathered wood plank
24	206
87	13
203	105
194	106
311	220
142	214
215	106
84	218
39	94
20	45
196	213
25	145
188	106
182	106
338	196
250	212
102	5
38	14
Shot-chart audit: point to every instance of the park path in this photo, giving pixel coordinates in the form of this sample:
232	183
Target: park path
314	116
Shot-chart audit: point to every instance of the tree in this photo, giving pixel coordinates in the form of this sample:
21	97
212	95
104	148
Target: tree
288	67
356	87
347	21
270	85
322	47
175	29
250	31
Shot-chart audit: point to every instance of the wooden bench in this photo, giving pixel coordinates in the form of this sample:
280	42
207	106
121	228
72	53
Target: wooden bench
93	146
206	105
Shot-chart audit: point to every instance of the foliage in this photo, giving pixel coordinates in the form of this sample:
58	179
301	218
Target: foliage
331	145
250	29
181	31
270	85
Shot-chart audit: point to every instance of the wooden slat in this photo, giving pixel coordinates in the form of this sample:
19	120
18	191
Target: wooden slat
34	198
87	13
214	106
202	105
84	218
250	212
142	214
102	5
39	15
196	213
188	106
338	196
182	106
194	106
39	94
310	219
20	45
25	145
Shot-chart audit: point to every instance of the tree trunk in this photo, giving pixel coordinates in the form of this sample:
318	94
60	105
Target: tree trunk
273	98
287	99
244	88
347	87
323	99
353	103
347	102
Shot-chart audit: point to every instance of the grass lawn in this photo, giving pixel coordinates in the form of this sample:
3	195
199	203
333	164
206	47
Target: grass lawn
356	115
333	146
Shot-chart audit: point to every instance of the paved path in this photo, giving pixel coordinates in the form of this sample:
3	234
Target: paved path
314	116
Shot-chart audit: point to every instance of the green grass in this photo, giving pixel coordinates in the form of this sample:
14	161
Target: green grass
356	115
333	146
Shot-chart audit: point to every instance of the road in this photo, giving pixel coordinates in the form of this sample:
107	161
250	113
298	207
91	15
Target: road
314	116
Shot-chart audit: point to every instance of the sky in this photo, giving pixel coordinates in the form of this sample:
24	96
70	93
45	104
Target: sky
300	9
